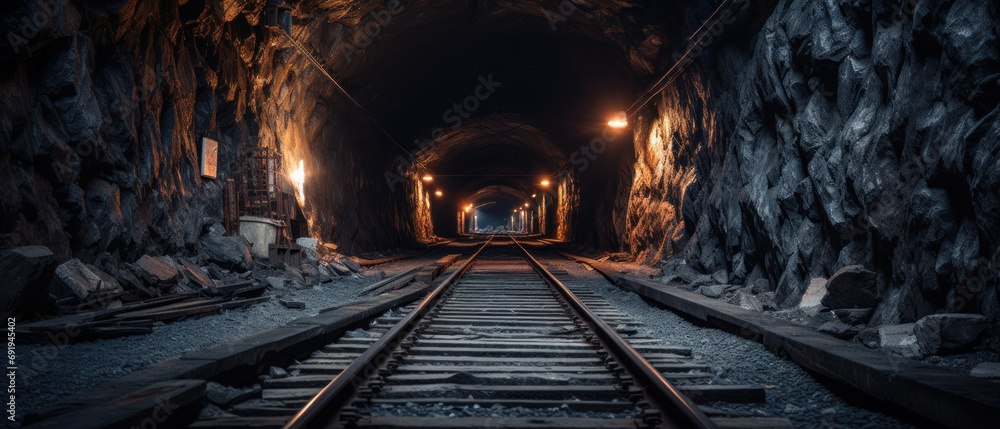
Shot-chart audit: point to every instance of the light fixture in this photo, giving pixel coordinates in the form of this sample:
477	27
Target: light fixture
533	195
526	204
468	208
619	121
299	178
428	178
545	183
438	193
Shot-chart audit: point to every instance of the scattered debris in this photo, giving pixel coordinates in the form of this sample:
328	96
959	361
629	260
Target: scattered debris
292	304
839	329
899	339
156	272
277	372
713	291
224	396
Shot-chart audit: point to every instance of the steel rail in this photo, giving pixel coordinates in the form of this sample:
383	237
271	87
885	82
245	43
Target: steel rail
323	409
682	411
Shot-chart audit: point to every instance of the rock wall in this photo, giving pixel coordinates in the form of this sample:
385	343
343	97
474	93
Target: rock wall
846	133
103	107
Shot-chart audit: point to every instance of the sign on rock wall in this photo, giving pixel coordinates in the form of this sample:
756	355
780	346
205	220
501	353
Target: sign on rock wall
209	157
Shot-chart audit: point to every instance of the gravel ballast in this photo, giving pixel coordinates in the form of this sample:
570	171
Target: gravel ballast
51	373
791	392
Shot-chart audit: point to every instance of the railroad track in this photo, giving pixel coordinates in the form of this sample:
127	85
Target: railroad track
501	342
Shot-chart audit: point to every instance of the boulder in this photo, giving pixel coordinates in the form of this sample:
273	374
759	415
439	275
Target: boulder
686	273
308	246
746	300
854	316
703	280
851	287
230	252
275	282
339	268
73	279
899	339
713	291
277	372
225	396
720	276
27	272
986	370
869	337
839	329
948	331
156	272
292	304
307	243
814	293
350	264
325	274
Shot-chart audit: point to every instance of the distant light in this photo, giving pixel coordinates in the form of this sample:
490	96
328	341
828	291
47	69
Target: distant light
428	178
545	183
526	204
619	121
533	195
299	178
438	193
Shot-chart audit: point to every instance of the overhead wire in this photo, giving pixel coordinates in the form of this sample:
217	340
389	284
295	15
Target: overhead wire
674	71
322	70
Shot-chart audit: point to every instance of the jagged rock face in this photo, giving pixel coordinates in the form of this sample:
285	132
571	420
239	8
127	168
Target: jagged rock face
846	134
103	111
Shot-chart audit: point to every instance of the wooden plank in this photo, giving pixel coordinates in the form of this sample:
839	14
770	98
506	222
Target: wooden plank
256	422
521	378
499	368
492	422
534	391
724	393
501	360
393	279
582	406
195	273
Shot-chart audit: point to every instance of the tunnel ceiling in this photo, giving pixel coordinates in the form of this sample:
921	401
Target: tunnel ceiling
553	75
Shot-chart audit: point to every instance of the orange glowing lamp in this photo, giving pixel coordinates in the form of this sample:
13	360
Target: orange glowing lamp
619	121
439	193
545	183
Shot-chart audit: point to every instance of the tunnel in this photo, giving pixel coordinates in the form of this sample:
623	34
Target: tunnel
756	153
